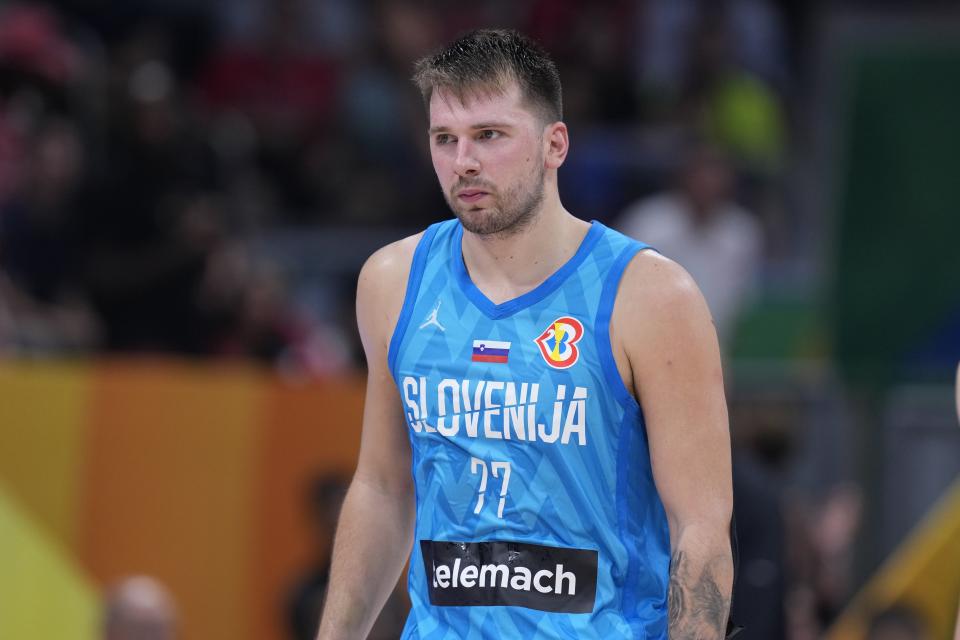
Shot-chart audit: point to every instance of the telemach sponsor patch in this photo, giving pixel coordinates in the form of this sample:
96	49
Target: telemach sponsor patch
468	574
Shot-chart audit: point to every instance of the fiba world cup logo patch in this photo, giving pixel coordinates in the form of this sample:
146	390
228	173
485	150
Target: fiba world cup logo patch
558	342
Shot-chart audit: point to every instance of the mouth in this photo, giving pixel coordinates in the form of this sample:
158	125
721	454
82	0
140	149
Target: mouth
471	195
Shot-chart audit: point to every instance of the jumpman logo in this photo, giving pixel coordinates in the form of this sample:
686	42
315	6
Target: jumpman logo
432	318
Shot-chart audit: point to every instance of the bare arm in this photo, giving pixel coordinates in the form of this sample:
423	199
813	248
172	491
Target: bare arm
674	361
375	532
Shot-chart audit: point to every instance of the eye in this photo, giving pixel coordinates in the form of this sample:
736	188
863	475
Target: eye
442	139
488	134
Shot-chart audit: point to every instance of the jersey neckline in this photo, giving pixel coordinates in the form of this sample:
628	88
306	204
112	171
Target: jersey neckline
535	295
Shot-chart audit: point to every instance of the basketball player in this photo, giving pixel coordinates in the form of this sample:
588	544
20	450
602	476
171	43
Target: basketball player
555	389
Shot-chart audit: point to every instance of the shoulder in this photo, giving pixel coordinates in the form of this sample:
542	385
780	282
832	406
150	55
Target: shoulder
389	265
657	299
381	288
653	280
661	330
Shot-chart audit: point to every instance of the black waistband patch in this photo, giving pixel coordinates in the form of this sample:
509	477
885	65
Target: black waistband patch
469	574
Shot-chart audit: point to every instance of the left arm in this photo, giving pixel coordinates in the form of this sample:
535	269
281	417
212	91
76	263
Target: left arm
671	346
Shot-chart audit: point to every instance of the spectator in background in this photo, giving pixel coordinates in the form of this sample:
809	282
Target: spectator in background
41	160
139	608
324	498
280	75
32	44
379	152
332	27
281	81
153	220
760	593
590	40
823	532
258	321
38	65
758	41
764	427
733	107
39	256
698	225
306	601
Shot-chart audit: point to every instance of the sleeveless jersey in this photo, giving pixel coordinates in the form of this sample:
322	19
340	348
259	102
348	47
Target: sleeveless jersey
536	510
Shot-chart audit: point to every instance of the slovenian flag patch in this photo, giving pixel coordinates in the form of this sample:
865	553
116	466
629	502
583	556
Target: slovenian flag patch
490	351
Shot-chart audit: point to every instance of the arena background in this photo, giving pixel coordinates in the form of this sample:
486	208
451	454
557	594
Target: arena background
188	190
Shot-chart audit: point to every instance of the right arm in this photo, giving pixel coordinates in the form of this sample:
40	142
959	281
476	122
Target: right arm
375	532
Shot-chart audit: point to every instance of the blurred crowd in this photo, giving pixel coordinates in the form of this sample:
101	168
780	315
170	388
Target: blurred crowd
150	150
157	157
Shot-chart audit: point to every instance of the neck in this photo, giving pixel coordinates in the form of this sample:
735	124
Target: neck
504	266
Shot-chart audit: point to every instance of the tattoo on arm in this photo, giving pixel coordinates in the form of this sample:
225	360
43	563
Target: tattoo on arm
697	608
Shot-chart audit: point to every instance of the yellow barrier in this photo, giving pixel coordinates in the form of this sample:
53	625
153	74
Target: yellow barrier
195	474
43	410
923	574
43	596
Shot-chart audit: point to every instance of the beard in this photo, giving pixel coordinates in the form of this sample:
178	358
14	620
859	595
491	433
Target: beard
510	213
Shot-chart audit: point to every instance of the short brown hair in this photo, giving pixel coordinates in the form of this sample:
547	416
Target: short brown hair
485	61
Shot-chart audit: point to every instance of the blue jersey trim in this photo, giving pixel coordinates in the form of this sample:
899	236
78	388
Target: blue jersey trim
411	561
628	597
410	297
545	288
602	328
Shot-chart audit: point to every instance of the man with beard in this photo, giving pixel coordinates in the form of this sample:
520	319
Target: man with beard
560	399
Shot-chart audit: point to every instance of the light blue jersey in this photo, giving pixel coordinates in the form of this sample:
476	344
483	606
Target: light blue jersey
537	514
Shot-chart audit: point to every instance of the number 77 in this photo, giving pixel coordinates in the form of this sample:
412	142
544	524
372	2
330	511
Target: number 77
497	467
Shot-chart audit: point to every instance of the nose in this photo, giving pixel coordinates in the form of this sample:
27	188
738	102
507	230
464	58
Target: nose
466	163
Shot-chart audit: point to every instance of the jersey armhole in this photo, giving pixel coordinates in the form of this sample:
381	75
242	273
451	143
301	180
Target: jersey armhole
608	297
417	266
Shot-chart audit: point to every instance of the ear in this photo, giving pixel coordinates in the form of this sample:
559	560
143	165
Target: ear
556	143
